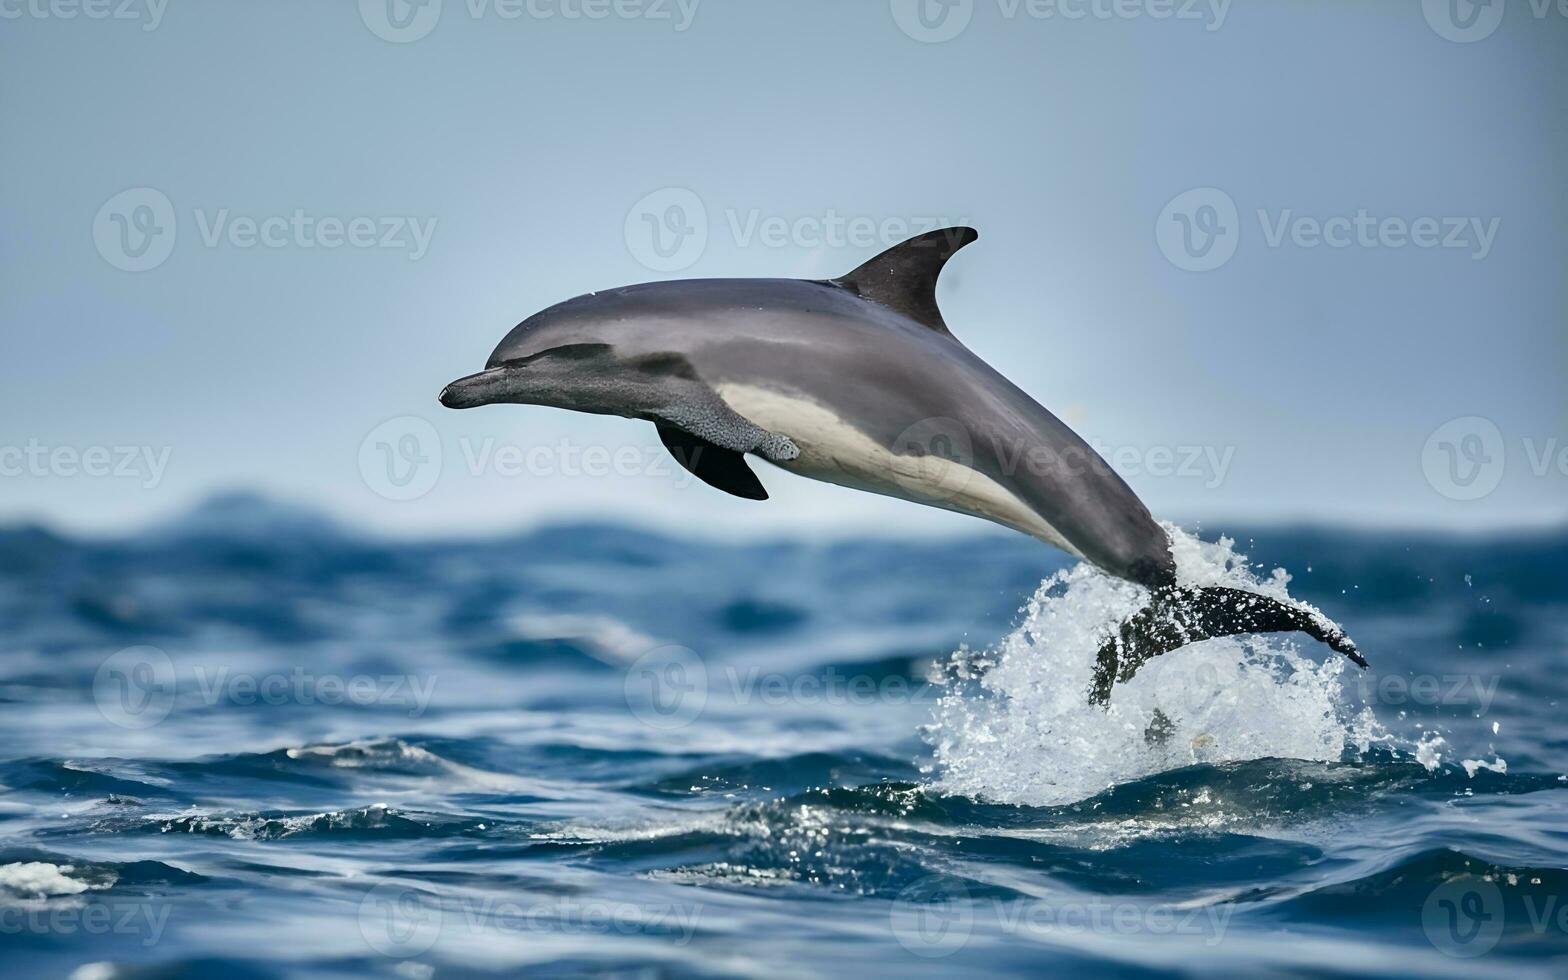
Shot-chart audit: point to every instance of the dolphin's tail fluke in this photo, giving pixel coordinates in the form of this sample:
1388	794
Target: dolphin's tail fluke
1178	616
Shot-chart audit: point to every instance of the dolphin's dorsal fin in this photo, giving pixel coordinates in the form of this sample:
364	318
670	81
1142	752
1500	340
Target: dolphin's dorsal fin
904	277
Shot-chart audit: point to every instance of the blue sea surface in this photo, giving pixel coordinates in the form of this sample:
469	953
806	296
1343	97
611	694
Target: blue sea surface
251	743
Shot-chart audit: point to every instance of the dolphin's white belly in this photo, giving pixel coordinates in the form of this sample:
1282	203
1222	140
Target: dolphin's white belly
833	451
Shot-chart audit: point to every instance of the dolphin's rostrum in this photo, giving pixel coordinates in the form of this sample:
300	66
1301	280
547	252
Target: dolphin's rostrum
858	381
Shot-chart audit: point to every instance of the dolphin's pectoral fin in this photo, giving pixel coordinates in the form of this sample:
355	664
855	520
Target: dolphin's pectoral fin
1176	617
706	416
710	439
716	466
904	277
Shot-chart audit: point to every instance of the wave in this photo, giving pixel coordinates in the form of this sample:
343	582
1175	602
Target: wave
377	821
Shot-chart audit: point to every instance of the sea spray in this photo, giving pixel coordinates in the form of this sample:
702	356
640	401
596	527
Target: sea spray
1014	724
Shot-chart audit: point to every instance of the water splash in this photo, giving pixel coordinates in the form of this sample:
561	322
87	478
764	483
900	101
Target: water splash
1014	725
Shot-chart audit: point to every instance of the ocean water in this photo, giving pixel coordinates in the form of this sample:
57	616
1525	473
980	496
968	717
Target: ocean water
249	743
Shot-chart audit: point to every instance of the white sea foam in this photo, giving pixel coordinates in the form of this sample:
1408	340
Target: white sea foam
1015	726
34	884
1498	765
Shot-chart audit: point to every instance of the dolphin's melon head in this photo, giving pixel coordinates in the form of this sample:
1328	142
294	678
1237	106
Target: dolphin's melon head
581	320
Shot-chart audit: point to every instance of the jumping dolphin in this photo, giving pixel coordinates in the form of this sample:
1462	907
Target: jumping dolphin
858	381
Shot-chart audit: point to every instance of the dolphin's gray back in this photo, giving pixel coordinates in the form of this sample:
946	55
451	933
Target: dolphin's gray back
883	373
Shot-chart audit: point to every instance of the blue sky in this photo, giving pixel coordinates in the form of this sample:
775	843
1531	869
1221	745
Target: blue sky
1280	260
